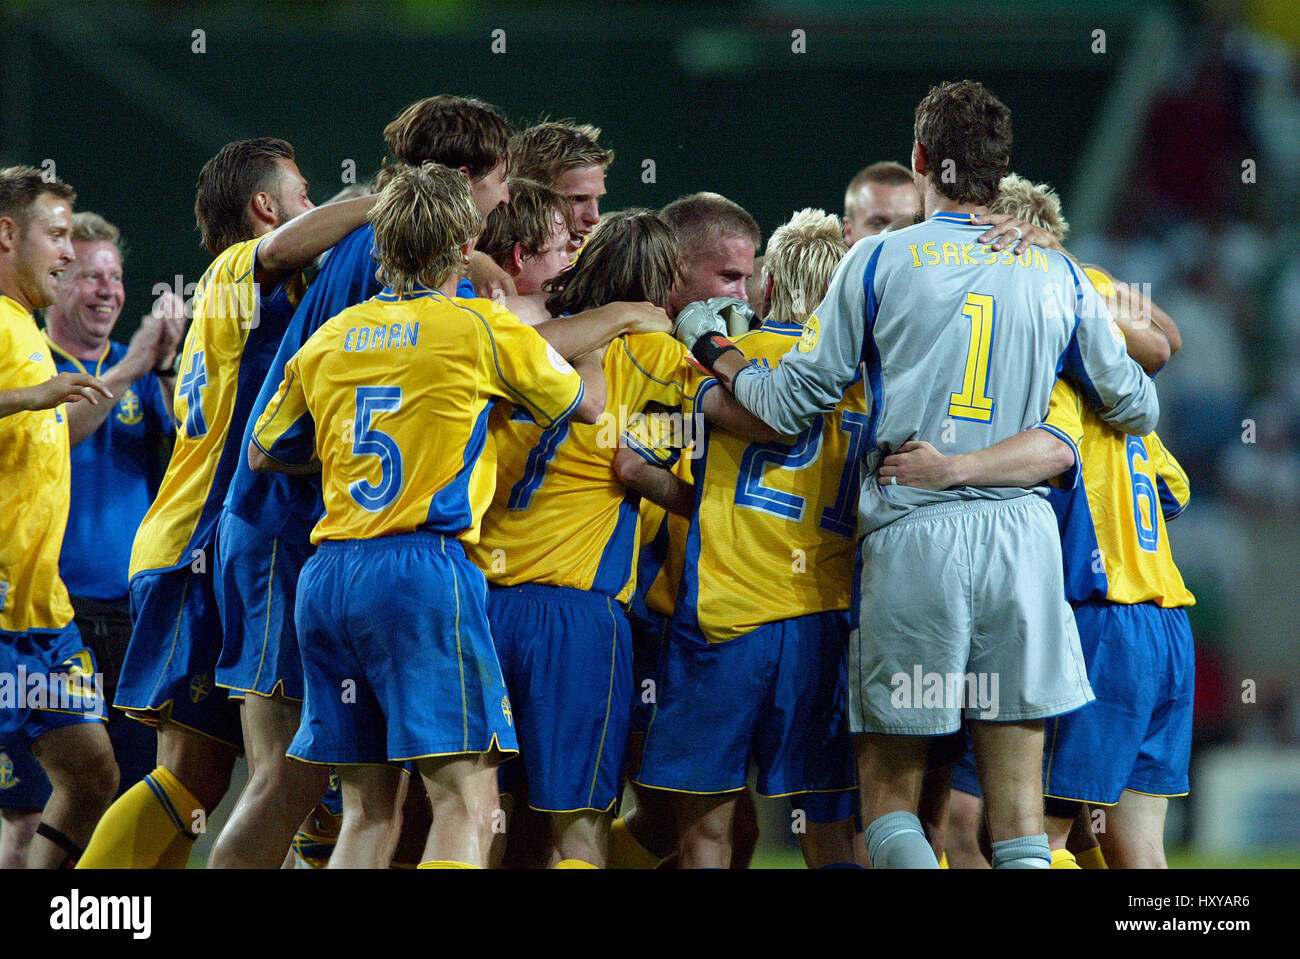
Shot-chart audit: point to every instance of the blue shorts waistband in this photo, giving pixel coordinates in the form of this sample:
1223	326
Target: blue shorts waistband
416	539
557	594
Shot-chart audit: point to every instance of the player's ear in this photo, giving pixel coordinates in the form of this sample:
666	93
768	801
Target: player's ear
517	256
920	162
263	208
464	170
769	282
9	233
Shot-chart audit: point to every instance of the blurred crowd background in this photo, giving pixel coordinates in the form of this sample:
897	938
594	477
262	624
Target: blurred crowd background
1171	130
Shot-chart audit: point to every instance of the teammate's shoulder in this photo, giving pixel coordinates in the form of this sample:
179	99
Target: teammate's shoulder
643	348
235	263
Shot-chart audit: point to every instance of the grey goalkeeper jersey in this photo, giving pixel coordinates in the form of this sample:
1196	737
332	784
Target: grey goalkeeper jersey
960	347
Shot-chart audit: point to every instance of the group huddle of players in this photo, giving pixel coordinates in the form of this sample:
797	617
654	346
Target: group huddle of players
487	511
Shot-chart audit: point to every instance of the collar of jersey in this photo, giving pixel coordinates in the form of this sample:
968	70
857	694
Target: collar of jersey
414	293
785	329
948	216
99	365
16	306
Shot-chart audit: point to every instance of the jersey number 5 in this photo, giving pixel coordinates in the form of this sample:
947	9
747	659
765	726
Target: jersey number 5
367	441
974	402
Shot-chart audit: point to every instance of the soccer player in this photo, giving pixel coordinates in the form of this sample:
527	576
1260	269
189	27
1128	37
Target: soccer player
878	195
559	539
1130	749
257	221
114	478
960	343
529	238
716	239
393	397
567	158
755	663
51	699
268	517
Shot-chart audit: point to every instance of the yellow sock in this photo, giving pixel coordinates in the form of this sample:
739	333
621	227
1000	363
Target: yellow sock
1091	858
139	828
626	852
943	861
1063	859
574	864
444	864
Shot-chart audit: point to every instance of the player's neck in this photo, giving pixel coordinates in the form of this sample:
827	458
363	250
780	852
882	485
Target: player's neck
448	288
936	202
9	287
66	340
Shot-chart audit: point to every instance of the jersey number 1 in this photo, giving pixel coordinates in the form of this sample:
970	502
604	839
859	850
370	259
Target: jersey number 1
974	402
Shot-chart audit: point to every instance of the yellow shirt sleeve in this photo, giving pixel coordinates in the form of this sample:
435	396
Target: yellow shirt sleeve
527	370
1171	480
285	431
1065	421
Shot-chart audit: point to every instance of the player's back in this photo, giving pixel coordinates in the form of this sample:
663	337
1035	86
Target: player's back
235	333
397	392
963	345
773	534
1115	544
560	516
289	506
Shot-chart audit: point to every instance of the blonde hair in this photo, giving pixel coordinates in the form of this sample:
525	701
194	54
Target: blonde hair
1035	203
548	150
630	256
90	227
422	219
801	256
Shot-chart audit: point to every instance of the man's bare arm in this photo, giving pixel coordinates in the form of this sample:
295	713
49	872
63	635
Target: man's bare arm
293	245
656	483
1026	459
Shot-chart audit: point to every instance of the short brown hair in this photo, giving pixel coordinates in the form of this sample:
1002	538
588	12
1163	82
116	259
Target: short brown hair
702	219
22	186
546	151
454	131
422	219
886	173
1035	203
629	256
238	172
529	218
966	133
801	256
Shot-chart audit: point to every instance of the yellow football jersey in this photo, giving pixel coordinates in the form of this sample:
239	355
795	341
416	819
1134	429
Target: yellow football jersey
1113	536
35	484
774	534
560	516
393	397
227	352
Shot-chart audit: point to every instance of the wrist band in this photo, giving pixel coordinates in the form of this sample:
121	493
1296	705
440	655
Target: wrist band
710	346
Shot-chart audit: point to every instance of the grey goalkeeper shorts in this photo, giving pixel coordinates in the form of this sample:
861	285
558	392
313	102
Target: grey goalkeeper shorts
963	608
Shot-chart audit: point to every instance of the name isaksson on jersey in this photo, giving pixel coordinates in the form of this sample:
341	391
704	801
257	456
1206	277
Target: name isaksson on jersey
928	690
75	912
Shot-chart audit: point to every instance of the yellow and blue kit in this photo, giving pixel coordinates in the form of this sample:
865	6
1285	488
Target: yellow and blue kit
170	665
1130	606
393	397
755	659
558	546
38	640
